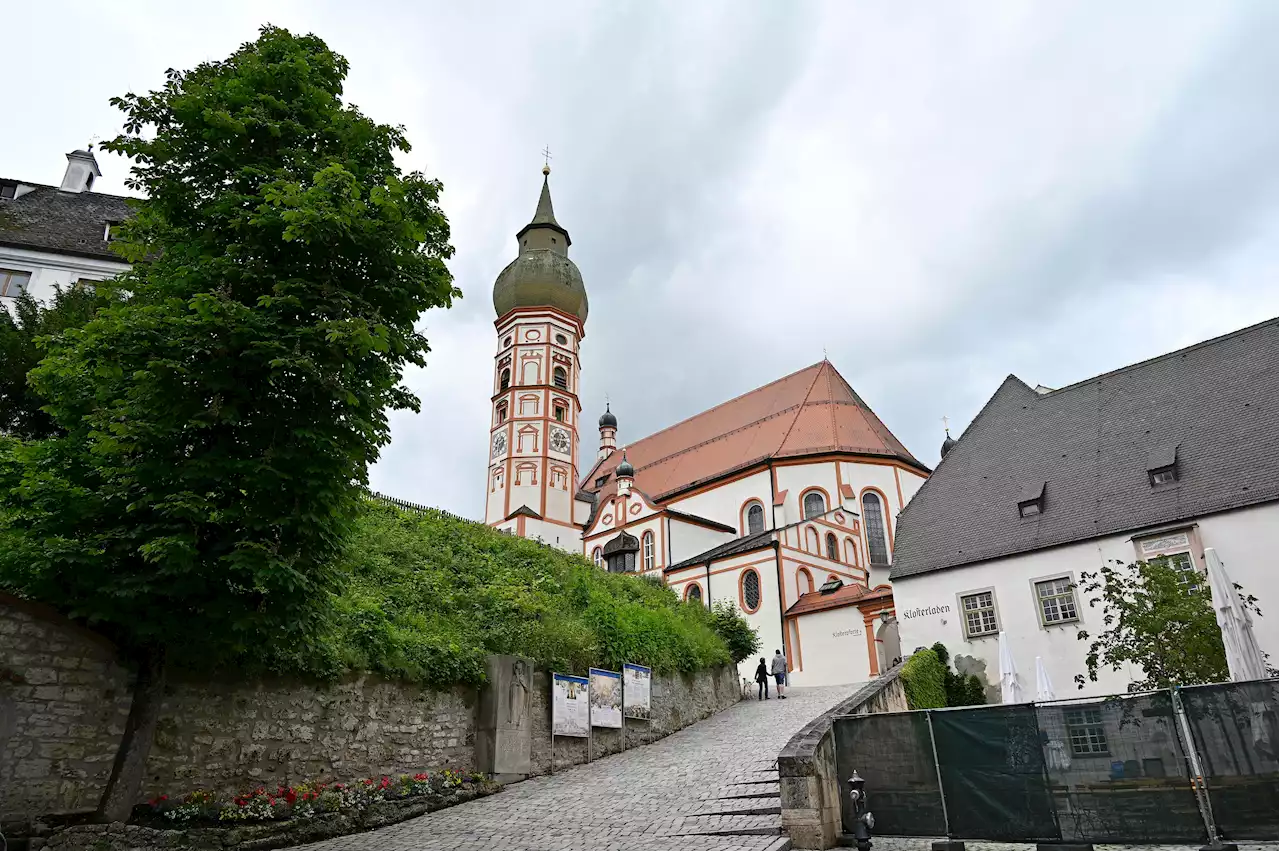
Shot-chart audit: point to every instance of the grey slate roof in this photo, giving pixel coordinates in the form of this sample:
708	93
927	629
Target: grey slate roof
1092	443
737	546
49	219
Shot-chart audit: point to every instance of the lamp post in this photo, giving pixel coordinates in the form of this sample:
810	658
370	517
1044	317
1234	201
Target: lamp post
863	820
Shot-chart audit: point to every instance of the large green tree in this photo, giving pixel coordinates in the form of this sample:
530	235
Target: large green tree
24	325
1158	618
220	421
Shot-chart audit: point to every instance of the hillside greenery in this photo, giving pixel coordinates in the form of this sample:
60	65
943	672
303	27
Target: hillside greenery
428	596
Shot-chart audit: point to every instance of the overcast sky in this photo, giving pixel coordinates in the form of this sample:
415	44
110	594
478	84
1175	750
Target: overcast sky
937	194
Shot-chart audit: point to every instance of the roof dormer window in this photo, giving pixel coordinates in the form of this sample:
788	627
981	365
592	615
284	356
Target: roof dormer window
1162	465
1032	502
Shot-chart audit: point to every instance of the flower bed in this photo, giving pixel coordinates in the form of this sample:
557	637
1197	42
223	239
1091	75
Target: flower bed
276	818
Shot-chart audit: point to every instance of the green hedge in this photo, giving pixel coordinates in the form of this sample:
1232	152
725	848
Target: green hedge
428	596
924	678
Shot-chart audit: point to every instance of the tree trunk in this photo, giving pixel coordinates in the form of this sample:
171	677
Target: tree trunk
130	764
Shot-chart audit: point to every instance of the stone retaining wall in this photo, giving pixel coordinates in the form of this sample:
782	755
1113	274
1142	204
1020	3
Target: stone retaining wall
64	697
810	787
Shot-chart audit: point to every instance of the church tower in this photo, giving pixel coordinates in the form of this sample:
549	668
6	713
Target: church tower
533	439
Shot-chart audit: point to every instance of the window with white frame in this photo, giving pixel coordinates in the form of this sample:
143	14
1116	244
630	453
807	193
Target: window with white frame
13	283
647	538
815	505
1175	550
1057	601
597	557
873	517
979	614
755	518
1085	732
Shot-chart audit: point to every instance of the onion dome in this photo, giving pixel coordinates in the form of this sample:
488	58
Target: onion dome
542	275
625	470
948	443
607	419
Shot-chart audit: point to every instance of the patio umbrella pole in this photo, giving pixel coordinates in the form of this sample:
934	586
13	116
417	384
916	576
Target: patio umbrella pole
1197	782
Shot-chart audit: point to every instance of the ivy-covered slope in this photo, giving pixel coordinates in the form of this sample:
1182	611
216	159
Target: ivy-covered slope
428	596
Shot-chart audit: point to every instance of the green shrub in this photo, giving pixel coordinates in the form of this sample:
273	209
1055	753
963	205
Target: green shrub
961	689
924	680
740	637
428	596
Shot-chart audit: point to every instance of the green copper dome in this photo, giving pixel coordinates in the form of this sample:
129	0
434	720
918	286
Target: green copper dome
542	275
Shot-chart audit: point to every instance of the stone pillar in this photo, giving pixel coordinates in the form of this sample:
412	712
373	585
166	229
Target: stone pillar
504	720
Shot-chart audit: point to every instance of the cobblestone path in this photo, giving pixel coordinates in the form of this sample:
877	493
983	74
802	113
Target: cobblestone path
712	786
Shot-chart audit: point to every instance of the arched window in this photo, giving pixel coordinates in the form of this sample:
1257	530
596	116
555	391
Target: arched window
833	547
560	377
647	539
755	518
804	581
505	381
502	412
811	540
597	557
814	505
562	413
873	519
831	577
750	590
693	592
850	551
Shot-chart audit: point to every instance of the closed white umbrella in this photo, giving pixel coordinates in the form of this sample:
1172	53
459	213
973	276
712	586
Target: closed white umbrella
1244	659
1044	686
1010	690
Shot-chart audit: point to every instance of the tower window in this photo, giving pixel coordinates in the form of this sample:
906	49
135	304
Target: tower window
833	547
873	516
561	378
561	413
814	505
562	339
505	381
502	413
507	342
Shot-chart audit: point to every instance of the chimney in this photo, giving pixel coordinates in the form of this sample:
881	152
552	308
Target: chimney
82	168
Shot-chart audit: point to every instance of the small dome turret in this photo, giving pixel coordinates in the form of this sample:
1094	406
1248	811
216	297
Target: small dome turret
607	419
948	443
625	470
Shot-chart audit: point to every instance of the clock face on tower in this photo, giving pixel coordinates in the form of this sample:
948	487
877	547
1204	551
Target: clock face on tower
499	443
560	441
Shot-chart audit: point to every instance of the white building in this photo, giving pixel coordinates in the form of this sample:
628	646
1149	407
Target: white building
58	236
1159	459
761	500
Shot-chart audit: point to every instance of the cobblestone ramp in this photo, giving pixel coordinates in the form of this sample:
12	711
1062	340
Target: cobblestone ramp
712	786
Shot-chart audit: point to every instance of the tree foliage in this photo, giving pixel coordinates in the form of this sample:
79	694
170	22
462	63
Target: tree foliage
961	689
1157	621
430	596
220	421
742	639
24	325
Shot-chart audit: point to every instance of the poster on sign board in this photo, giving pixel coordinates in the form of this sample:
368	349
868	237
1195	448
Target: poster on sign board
606	698
569	707
636	682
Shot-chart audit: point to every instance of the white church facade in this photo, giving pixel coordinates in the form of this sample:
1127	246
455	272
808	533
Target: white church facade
782	501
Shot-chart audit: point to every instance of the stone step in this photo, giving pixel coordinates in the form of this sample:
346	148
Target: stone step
771	805
731	825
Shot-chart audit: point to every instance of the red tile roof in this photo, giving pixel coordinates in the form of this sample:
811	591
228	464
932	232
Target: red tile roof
809	412
847	595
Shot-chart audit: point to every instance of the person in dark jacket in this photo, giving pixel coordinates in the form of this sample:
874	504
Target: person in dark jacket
762	678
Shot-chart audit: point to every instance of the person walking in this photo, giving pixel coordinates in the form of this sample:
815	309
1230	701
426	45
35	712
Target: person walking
779	669
762	681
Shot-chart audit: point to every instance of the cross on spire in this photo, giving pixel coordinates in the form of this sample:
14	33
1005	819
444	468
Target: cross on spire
546	160
946	425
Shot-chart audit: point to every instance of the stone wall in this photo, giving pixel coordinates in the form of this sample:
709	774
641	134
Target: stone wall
63	704
810	786
64	697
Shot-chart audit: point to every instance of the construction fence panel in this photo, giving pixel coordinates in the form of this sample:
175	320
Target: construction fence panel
1234	728
893	754
1118	770
993	774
